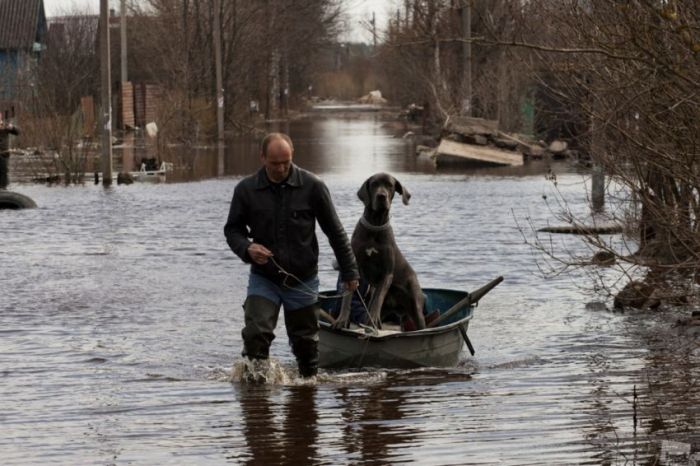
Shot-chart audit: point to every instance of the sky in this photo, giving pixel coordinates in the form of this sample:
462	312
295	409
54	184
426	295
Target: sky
57	7
358	10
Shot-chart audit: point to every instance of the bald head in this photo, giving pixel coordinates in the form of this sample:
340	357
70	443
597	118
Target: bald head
276	155
274	137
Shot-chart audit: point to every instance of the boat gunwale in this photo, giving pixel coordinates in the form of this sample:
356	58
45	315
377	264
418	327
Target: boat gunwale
428	331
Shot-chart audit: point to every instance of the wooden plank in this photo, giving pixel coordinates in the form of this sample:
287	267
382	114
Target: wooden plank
577	229
139	90
468	126
151	101
456	152
87	106
127	105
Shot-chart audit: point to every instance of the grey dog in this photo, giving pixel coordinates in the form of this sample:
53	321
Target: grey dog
394	286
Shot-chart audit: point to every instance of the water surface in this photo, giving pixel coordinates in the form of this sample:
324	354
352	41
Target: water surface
120	318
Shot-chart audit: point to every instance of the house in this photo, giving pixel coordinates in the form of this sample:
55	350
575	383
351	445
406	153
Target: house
23	30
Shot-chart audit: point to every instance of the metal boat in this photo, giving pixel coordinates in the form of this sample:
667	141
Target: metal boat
439	345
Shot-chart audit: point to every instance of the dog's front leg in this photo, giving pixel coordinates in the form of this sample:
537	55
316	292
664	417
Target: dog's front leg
418	303
375	307
344	317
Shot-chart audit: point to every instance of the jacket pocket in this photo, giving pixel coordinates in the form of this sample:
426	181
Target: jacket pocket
303	224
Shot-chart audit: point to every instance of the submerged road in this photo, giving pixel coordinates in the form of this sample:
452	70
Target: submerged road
120	318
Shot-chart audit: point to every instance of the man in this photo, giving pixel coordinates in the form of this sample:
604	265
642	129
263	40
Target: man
6	129
277	208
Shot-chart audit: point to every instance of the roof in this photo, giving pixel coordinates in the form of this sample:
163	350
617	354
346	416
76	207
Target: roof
20	21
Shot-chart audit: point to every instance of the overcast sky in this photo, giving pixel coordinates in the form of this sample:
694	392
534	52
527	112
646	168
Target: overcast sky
358	9
57	7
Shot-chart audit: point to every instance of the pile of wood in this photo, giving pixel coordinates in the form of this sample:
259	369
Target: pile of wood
374	98
468	140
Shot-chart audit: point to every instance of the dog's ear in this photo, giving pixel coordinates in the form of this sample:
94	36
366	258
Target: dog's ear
405	195
363	193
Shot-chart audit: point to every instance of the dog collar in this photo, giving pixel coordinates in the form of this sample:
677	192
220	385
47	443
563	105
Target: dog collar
371	227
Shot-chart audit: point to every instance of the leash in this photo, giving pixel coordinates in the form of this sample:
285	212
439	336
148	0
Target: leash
375	327
308	291
313	293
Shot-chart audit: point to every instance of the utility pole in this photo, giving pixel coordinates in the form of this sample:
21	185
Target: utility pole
374	30
106	71
125	76
407	7
467	57
219	74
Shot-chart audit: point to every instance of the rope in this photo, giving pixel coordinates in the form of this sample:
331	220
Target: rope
312	292
369	315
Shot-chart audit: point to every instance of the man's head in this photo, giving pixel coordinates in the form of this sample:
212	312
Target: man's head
276	153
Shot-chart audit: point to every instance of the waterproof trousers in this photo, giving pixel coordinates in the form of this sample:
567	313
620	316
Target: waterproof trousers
261	316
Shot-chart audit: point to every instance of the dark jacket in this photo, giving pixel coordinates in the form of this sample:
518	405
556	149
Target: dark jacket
282	217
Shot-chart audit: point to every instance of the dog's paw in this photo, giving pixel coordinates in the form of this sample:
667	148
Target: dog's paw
340	323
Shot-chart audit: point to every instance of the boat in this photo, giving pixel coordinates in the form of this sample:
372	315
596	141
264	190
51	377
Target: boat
145	174
438	345
153	176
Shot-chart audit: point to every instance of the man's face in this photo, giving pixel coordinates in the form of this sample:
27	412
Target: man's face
278	160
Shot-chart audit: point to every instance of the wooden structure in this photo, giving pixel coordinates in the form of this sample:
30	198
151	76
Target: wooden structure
126	118
146	98
452	152
87	108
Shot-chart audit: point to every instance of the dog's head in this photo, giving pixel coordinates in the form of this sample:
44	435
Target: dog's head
378	190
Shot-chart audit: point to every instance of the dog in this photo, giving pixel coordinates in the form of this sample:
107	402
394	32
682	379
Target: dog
394	286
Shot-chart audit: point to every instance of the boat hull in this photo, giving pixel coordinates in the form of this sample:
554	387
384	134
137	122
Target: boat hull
432	347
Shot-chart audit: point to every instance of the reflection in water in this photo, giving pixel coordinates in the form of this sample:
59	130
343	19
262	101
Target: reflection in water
291	440
373	431
352	147
368	417
329	145
300	425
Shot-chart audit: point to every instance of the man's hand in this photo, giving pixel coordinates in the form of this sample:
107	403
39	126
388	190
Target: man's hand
259	253
352	285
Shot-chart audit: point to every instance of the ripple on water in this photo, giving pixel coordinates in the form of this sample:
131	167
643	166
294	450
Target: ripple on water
120	314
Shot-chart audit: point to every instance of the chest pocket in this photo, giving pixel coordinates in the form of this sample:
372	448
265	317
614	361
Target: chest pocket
302	220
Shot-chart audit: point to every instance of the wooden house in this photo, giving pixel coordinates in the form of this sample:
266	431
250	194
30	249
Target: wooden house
23	30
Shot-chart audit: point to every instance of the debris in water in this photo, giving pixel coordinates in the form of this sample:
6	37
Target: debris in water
673	452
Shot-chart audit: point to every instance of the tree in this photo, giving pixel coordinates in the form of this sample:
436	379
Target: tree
268	47
632	72
51	116
423	59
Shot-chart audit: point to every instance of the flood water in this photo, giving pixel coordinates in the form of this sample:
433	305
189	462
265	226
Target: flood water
120	319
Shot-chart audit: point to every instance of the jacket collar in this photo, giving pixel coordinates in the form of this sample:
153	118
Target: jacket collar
293	180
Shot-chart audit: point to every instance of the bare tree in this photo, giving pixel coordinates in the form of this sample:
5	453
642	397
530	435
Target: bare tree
269	49
423	59
50	103
630	73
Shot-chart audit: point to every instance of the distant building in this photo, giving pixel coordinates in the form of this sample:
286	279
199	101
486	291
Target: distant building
23	30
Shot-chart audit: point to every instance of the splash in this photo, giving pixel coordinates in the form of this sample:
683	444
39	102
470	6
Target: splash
362	377
261	371
272	372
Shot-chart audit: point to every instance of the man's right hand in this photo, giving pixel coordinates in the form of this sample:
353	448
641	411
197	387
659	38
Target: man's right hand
259	253
351	285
